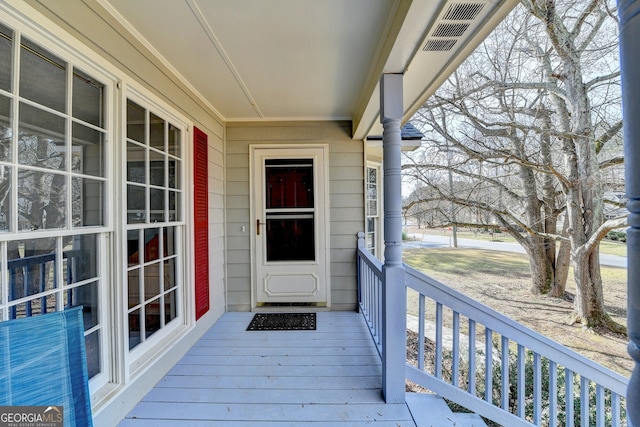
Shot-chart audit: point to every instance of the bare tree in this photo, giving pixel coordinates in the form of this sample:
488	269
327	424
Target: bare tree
532	120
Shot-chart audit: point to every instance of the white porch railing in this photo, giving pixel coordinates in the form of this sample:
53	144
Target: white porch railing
370	294
496	368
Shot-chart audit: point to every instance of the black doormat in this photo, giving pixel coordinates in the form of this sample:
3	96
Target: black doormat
283	322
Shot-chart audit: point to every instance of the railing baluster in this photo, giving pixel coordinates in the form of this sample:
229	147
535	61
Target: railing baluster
369	289
25	285
368	297
615	409
43	300
359	280
421	321
379	316
472	357
504	401
438	340
371	300
521	381
599	406
538	350
12	292
488	365
373	307
584	401
568	398
553	394
537	389
455	362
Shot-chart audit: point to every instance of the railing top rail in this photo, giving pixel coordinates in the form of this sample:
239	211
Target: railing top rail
514	331
41	258
370	260
31	260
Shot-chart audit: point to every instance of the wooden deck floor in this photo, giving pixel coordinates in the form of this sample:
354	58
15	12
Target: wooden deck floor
233	377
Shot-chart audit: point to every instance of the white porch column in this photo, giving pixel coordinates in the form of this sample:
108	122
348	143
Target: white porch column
394	303
629	11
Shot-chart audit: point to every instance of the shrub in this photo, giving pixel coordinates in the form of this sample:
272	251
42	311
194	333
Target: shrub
496	392
617	236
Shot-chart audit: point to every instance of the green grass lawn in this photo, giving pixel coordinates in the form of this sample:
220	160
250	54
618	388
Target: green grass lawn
502	281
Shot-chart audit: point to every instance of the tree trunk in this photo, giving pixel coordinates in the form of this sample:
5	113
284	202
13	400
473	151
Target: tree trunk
563	263
589	301
542	268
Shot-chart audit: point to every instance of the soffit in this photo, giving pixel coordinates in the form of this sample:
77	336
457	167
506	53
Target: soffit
287	60
271	60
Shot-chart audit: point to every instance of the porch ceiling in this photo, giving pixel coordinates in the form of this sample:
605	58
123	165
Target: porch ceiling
302	59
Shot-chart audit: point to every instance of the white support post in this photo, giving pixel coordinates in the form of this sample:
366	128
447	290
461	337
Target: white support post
394	303
629	12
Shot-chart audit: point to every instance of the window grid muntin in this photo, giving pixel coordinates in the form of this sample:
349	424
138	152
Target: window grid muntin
137	312
12	234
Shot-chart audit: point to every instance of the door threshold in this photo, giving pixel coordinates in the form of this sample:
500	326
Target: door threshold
290	307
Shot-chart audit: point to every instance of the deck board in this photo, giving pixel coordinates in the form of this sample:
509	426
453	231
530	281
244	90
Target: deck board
233	377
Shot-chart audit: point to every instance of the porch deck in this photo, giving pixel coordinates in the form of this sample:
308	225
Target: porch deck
233	377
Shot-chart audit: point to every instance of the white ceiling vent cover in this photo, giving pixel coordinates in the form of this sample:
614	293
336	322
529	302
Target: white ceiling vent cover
453	23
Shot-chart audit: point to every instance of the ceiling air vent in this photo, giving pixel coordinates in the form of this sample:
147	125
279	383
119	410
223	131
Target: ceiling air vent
463	11
450	30
453	23
440	44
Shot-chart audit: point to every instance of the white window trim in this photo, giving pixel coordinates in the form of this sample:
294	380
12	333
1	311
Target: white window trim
379	240
118	87
140	357
31	25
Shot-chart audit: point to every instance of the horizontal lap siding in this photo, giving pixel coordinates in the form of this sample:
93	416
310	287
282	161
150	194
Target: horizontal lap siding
124	56
346	202
346	171
128	57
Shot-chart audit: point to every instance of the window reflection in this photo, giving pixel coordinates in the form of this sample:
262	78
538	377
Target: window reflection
87	98
6	43
52	273
290	240
6	132
43	76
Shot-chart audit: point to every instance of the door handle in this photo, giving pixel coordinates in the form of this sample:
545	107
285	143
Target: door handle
258	226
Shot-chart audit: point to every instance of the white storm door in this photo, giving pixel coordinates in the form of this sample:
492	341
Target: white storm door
289	225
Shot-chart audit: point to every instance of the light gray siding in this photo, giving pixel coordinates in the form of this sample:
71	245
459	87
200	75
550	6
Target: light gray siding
96	35
346	202
127	57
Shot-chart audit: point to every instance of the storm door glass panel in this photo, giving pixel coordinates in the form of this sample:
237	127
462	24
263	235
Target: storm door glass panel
290	213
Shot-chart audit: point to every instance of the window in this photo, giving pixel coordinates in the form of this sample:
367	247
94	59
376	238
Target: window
154	227
372	210
52	189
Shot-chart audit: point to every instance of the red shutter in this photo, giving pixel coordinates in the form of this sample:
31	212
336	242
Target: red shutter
201	221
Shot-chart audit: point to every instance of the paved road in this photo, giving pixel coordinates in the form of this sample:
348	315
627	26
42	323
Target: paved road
444	241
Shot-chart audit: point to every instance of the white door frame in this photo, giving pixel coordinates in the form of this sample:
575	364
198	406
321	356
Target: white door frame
318	270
